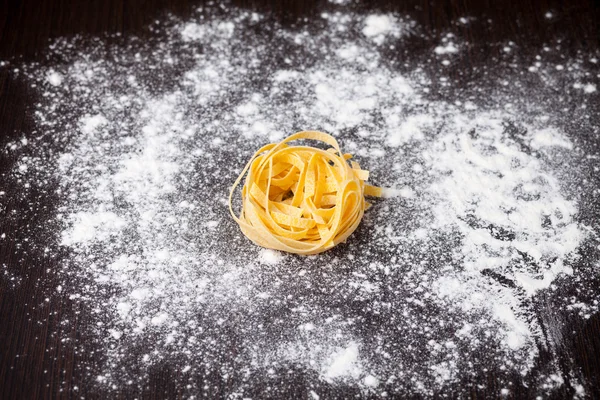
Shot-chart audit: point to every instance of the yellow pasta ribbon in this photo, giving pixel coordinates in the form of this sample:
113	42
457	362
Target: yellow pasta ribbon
301	199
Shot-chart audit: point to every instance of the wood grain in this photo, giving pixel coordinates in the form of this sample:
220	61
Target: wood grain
35	360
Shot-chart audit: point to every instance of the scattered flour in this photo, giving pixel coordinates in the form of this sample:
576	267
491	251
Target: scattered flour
270	257
376	25
410	129
549	138
90	124
589	88
343	363
448	48
55	78
92	226
442	280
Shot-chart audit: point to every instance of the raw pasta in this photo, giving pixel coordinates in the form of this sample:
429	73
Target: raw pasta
302	199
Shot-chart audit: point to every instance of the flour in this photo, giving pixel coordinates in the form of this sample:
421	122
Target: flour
448	46
376	25
589	88
441	282
410	129
96	226
55	78
343	363
270	257
549	138
90	124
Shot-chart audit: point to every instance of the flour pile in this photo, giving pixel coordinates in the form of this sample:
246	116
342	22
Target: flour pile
440	285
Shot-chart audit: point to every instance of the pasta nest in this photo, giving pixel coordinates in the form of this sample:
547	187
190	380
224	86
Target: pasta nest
302	199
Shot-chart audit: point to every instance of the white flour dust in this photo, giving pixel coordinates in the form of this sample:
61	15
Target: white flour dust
140	143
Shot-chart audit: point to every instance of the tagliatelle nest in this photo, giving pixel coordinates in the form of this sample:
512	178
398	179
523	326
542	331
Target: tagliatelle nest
302	199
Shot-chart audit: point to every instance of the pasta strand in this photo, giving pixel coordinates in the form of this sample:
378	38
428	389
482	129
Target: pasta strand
301	199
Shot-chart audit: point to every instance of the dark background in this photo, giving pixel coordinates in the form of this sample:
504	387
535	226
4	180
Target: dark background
33	363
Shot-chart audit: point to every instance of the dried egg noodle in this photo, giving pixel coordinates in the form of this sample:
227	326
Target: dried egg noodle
302	199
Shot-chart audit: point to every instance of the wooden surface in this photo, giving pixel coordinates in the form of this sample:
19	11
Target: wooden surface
33	363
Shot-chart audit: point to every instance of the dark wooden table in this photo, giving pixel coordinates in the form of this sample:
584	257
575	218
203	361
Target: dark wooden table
32	360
